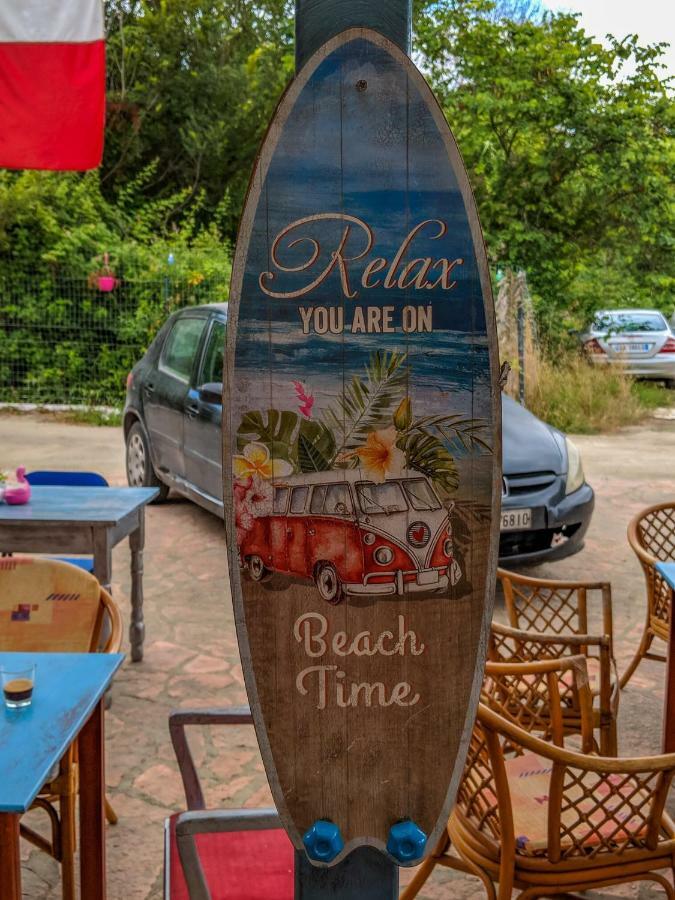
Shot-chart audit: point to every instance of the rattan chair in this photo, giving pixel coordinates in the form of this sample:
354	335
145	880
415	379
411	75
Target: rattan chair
537	696
555	616
51	606
531	695
548	821
651	534
508	644
554	606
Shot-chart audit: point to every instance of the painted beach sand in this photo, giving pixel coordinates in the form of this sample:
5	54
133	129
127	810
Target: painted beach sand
361	437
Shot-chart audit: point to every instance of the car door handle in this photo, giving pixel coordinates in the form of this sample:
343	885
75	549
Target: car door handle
192	411
149	389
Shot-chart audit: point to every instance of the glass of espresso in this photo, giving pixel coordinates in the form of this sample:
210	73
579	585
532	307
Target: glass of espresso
17	686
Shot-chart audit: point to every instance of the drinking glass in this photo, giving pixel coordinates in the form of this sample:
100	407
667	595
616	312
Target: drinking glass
17	685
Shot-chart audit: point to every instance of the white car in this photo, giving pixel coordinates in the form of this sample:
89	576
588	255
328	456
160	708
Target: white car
638	340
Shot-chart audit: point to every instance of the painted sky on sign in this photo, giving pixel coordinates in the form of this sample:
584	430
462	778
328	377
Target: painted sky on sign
377	155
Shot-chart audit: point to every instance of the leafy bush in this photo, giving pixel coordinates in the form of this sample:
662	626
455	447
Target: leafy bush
581	398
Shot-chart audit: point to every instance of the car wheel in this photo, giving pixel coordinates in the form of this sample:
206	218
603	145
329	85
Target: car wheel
670	383
328	584
140	472
257	569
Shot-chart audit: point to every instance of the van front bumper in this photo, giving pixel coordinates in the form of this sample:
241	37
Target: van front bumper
400	582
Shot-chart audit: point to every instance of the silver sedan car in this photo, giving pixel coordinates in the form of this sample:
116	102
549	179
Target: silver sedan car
638	340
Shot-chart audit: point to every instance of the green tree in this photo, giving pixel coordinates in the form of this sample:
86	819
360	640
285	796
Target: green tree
569	147
191	88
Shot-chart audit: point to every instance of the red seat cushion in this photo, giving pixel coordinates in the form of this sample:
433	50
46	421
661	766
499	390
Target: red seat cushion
238	865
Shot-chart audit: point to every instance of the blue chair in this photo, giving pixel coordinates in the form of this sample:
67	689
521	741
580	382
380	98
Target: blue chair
66	479
69	479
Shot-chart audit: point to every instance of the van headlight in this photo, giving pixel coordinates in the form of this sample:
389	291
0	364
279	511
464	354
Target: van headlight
575	470
383	556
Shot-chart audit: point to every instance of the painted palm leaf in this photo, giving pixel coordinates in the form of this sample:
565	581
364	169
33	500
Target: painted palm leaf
316	447
457	429
428	454
367	403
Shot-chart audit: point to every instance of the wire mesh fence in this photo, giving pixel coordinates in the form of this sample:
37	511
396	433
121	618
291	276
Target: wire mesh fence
64	340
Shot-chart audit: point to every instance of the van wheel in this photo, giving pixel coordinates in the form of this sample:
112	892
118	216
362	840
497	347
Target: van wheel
328	584
258	570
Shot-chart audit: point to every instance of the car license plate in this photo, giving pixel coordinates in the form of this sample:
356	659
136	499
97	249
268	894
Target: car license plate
631	348
516	520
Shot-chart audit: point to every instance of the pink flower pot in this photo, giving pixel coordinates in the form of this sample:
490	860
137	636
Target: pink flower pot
106	283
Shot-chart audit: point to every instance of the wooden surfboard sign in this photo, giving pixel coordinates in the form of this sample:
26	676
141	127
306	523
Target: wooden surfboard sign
362	454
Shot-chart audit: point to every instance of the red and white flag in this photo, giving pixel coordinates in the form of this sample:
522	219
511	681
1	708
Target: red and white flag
52	84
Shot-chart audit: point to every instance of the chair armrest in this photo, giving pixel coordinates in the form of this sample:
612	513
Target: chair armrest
217	821
178	719
507	574
548	637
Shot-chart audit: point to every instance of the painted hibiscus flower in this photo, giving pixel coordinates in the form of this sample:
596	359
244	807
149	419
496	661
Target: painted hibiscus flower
255	460
380	457
252	498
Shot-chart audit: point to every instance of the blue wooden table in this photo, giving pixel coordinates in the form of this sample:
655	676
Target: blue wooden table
667	571
67	704
88	520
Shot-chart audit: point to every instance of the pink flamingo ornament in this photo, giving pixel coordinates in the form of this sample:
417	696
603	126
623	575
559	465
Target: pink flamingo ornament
19	493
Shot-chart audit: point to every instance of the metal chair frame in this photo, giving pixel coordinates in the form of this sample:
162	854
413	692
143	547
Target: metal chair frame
198	820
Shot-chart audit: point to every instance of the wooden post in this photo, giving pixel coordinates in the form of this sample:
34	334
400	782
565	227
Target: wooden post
316	21
366	872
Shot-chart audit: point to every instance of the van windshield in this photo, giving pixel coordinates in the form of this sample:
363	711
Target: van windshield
420	494
381	498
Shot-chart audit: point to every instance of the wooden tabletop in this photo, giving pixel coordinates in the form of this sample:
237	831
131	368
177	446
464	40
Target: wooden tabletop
32	740
667	572
88	505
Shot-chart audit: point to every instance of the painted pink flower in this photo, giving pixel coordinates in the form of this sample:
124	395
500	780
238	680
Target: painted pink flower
252	499
306	400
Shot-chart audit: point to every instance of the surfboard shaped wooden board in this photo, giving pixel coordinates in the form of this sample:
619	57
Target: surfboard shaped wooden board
362	458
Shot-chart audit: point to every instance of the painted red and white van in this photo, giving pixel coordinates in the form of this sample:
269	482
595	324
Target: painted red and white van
352	536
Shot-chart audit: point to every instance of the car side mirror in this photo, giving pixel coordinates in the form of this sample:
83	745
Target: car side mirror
212	392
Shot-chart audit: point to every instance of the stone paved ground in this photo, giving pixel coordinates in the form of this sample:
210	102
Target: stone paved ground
191	653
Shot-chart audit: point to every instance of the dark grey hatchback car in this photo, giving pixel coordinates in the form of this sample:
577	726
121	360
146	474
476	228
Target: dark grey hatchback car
172	422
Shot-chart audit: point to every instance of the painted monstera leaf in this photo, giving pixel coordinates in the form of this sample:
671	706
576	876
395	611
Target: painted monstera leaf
273	428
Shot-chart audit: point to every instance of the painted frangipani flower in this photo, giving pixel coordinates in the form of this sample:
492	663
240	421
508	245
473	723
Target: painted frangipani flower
380	456
256	460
